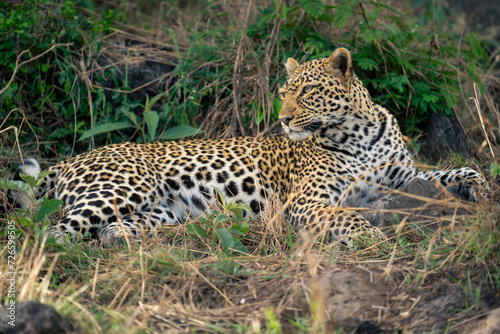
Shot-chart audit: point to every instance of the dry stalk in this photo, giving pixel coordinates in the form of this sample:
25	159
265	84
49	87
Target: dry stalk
125	236
16	131
88	83
18	65
238	74
478	109
269	129
267	63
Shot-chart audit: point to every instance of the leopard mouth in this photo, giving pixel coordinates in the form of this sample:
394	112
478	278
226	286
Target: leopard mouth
313	126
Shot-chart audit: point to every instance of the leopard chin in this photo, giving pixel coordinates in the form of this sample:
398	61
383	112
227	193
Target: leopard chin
297	135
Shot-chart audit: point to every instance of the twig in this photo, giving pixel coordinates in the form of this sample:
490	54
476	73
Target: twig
267	59
125	236
88	83
238	75
385	61
458	71
476	101
18	65
460	83
269	129
92	85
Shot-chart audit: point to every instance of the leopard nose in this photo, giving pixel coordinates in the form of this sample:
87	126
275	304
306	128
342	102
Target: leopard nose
285	119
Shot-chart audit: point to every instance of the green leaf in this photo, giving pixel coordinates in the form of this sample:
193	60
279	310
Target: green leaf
284	10
494	170
326	18
25	221
205	221
277	106
181	131
220	219
240	229
315	8
367	64
198	230
430	98
273	324
237	232
237	209
477	49
30	180
238	246
48	208
226	238
344	10
151	118
104	128
238	212
243	227
150	103
221	197
14	185
398	82
449	97
41	177
421	87
130	115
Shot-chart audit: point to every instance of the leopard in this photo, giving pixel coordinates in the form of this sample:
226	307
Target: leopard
338	151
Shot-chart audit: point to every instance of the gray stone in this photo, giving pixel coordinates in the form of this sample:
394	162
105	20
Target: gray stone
32	318
442	134
393	207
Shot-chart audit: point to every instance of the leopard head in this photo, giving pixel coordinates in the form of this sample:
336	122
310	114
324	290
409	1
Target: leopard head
319	93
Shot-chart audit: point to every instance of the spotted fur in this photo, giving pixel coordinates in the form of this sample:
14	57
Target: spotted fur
340	150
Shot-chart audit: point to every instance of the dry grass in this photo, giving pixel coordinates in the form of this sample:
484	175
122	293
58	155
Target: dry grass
177	282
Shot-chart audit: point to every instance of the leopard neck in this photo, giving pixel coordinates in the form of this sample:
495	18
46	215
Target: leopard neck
360	131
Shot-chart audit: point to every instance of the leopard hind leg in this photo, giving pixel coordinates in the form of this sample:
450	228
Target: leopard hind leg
465	182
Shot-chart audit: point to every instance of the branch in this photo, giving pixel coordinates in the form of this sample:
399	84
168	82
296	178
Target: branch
238	73
18	65
267	61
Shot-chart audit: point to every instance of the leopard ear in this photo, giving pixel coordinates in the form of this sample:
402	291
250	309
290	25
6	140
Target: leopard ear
291	65
339	64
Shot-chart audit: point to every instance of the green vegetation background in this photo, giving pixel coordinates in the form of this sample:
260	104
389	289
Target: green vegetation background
69	69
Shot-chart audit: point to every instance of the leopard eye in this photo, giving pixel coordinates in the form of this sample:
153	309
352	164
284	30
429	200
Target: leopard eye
307	89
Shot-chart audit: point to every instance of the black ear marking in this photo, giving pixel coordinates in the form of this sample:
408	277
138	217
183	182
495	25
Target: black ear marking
340	64
343	64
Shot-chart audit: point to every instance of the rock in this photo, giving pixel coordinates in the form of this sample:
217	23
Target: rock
392	208
32	318
430	315
442	134
346	293
345	298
